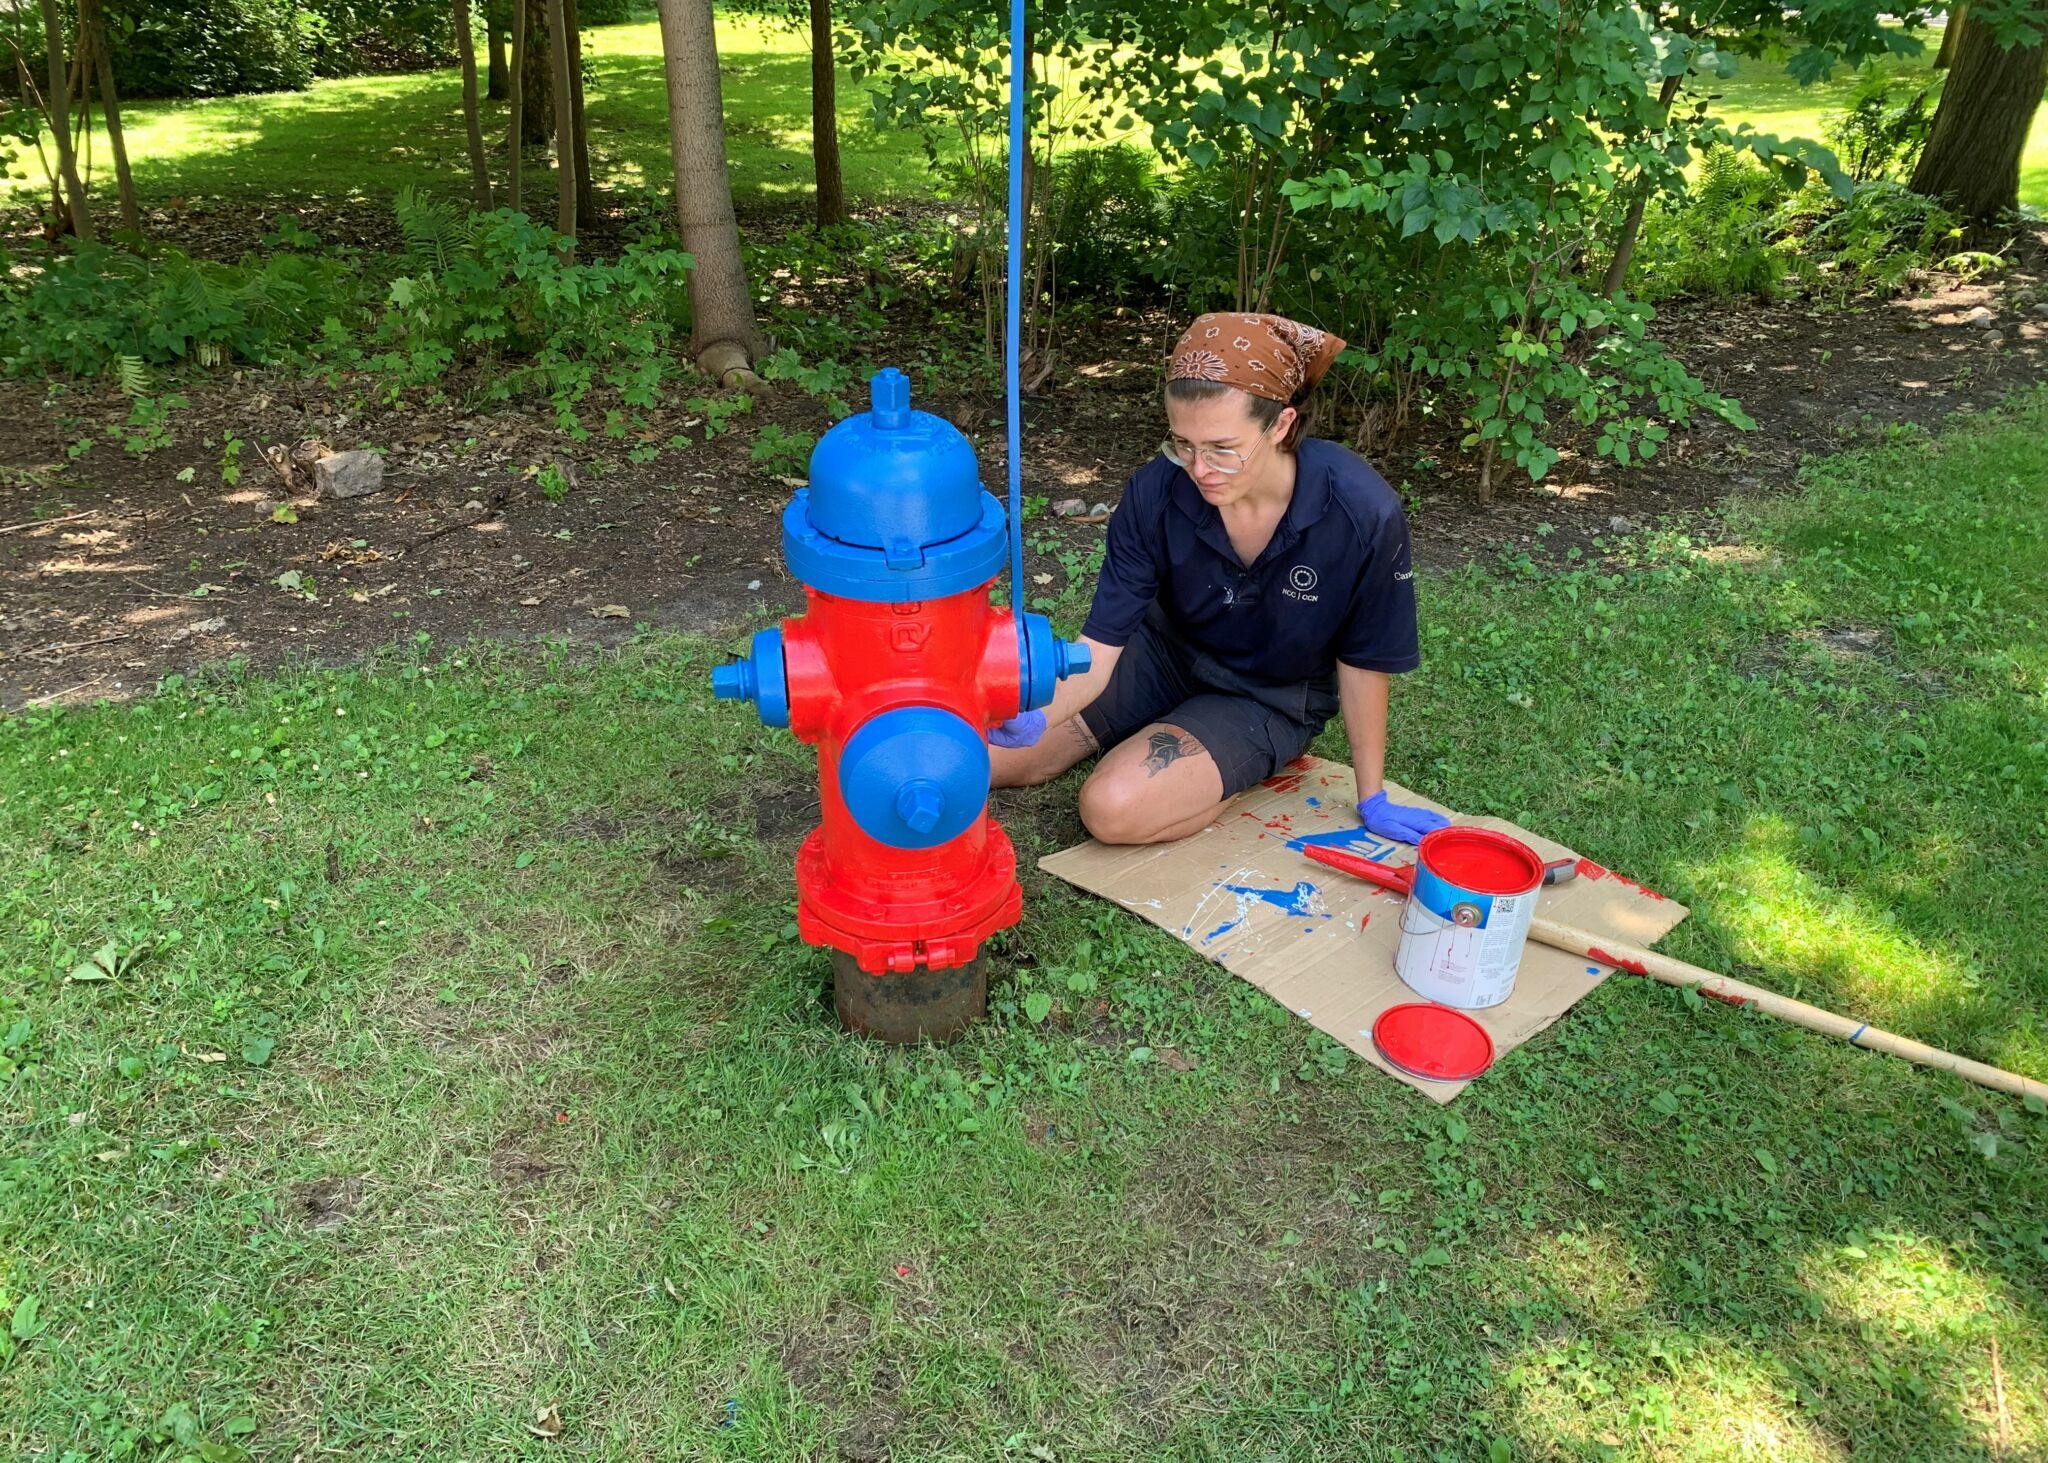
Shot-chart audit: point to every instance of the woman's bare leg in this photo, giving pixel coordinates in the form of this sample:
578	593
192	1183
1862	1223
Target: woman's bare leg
1156	787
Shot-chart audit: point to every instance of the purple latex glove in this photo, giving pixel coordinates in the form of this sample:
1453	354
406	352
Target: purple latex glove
1398	821
1019	731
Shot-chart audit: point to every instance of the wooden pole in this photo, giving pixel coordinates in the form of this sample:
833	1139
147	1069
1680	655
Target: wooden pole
1641	961
1398	879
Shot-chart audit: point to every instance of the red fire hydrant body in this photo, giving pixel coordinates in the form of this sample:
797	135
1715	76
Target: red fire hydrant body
895	671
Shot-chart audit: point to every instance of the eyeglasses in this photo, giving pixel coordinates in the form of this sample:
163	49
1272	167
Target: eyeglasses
1216	459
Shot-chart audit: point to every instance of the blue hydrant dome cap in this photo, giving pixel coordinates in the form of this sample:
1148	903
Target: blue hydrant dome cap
893	478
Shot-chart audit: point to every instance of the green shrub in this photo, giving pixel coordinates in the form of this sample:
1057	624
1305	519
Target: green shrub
207	47
502	288
83	312
491	288
1882	130
1106	216
1721	240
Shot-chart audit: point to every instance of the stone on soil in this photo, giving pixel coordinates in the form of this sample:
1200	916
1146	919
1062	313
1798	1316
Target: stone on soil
348	474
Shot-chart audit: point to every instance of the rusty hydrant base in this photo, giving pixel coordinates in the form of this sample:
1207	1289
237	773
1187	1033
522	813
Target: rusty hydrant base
911	1006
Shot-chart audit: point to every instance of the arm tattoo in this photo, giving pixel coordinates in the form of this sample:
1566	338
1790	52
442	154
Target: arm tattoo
1165	747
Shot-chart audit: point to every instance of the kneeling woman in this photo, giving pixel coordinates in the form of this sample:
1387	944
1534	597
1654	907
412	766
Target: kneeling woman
1257	581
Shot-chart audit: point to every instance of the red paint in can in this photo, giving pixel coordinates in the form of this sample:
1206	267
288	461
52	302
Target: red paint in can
1467	916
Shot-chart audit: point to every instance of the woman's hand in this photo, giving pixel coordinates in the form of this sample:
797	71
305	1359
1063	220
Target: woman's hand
1019	731
1397	821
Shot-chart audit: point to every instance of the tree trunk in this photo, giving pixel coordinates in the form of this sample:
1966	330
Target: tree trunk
59	103
1972	160
94	24
825	118
516	80
500	86
586	198
538	80
565	125
723	337
465	50
1632	226
1945	57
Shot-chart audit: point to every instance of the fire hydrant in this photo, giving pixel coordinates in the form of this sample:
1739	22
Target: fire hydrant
896	669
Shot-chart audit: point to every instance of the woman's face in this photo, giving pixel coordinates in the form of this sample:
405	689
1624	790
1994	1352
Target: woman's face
1223	425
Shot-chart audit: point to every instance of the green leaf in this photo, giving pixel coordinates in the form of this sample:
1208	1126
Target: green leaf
27	1323
1665	1102
1764	1160
1434	1255
524	860
257	1049
1037	1006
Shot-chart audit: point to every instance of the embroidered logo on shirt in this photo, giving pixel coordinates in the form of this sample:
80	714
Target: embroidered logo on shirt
1301	579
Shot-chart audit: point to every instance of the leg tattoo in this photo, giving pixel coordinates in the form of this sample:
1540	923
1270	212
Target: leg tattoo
1083	739
1167	746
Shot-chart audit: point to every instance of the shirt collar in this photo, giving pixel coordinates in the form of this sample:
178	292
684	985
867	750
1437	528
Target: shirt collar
1313	470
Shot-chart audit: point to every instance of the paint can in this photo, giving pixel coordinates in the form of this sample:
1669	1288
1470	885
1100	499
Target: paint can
1467	916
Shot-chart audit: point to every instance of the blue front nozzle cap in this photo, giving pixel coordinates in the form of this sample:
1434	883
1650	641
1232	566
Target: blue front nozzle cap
733	682
1075	658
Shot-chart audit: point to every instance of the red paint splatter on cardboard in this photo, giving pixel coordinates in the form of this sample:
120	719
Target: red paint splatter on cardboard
1590	870
1284	782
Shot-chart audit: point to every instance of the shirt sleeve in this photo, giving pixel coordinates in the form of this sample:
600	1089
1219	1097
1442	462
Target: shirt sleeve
1129	581
1379	631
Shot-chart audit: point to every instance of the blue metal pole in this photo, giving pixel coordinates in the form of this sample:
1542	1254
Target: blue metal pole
1014	309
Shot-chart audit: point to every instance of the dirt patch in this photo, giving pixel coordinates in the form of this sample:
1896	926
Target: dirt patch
515	1170
868	1438
784	814
121	566
325	1203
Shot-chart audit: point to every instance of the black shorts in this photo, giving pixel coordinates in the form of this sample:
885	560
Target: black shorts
1252	730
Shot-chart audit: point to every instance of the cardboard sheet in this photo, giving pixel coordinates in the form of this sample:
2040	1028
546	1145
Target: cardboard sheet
1322	942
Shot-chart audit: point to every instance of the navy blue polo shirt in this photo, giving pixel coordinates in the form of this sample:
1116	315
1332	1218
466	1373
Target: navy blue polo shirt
1335	584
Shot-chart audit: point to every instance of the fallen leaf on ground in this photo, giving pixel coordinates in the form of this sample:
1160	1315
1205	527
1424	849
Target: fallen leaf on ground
547	1422
611	612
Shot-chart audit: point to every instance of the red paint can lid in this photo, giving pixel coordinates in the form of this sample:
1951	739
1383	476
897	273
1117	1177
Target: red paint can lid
1433	1042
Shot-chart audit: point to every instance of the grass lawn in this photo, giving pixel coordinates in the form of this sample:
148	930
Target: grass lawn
458	1078
367	136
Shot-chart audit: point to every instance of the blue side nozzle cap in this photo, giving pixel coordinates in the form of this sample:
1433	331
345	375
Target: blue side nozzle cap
1045	660
760	677
914	777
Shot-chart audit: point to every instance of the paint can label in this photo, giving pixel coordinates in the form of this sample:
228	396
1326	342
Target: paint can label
1461	947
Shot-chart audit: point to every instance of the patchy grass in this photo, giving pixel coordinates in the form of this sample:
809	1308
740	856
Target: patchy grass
454	1076
368	136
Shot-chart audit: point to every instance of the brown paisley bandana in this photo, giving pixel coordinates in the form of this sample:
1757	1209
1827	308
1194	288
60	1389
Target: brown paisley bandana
1267	355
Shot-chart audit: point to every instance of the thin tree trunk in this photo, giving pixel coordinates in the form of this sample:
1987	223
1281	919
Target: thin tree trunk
1945	57
95	28
516	82
465	49
1972	160
565	126
499	86
59	103
1632	226
586	196
723	335
538	80
825	118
